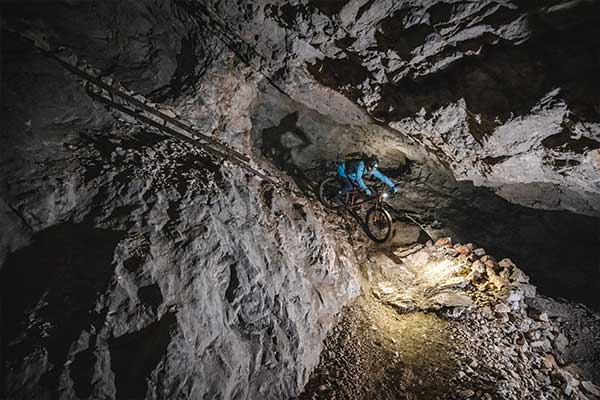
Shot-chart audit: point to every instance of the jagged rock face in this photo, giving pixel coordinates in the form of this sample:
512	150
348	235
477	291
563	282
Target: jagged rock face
156	49
150	270
167	272
298	45
504	93
302	141
134	266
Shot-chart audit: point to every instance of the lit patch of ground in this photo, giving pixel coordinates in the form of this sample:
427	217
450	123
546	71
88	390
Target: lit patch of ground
376	353
448	322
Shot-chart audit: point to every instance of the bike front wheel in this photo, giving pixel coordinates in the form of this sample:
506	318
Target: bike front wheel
378	224
328	192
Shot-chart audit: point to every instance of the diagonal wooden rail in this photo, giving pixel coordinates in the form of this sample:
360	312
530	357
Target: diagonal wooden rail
178	135
207	143
130	99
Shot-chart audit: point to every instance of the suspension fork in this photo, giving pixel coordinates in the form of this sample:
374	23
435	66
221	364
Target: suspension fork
378	204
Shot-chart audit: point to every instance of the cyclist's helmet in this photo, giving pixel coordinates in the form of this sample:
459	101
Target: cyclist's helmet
372	163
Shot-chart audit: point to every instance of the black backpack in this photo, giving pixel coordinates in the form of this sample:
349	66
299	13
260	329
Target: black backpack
352	160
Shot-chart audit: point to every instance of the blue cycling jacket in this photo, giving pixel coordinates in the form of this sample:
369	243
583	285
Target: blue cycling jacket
360	171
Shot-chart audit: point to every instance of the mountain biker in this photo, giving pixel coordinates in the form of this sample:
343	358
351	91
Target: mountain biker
351	172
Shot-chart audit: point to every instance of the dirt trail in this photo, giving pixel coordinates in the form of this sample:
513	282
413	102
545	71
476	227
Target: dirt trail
376	353
446	322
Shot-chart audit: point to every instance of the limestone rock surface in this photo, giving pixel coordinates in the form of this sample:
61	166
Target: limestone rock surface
502	92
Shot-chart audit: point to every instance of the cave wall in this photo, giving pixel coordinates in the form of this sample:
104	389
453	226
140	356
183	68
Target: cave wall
154	48
302	141
135	266
177	282
503	93
498	98
205	282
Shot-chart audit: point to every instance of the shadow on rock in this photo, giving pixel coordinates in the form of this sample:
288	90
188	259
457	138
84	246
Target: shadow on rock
49	290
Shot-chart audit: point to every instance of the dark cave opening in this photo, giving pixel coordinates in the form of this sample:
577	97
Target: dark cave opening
135	355
49	290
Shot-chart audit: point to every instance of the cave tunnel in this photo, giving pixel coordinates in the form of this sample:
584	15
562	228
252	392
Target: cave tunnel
349	199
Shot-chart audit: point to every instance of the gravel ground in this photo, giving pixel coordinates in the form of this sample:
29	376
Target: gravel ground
449	322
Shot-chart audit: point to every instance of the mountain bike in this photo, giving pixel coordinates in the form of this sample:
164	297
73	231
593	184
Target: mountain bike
378	221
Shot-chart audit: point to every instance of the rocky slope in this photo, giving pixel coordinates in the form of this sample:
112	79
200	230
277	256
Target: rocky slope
451	322
166	279
135	266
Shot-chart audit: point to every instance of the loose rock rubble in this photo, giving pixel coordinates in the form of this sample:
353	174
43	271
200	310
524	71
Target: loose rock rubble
500	340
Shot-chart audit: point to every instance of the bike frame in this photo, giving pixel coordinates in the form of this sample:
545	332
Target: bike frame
377	212
354	194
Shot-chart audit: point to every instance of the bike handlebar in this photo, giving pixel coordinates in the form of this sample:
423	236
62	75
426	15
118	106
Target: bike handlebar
383	194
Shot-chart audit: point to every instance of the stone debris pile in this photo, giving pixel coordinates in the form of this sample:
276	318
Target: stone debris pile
526	338
508	345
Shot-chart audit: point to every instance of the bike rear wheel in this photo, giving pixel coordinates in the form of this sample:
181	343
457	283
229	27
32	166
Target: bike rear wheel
328	191
378	224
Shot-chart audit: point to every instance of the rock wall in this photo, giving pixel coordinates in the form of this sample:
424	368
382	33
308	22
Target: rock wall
500	91
173	281
475	93
133	265
155	48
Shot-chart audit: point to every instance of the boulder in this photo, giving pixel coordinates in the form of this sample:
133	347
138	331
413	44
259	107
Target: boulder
519	276
502	308
515	296
560	343
567	377
550	362
442	242
479	252
489	262
529	291
506	263
590	388
478	266
464	250
453	299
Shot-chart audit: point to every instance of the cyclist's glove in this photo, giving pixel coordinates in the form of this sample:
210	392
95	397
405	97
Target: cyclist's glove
395	189
368	192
